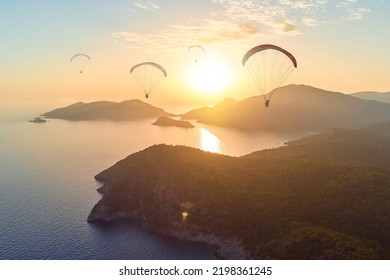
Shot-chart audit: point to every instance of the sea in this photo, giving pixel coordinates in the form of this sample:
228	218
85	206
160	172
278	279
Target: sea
47	185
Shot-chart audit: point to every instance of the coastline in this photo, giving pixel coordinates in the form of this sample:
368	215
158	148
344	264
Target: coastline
223	248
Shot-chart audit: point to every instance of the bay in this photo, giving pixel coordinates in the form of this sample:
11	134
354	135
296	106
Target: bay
47	185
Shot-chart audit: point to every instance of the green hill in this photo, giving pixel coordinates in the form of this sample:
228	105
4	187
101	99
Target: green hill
321	197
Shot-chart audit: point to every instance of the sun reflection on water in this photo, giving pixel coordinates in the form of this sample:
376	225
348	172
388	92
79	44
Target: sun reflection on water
209	142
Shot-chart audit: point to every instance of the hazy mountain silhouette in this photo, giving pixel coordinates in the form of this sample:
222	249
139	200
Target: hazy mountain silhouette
372	95
105	110
292	108
321	197
205	111
299	107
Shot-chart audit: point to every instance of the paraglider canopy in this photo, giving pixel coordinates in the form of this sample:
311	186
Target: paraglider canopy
80	60
196	52
148	75
269	66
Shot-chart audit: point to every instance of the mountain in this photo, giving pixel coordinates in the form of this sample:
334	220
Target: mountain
321	197
105	110
299	108
372	95
165	121
205	111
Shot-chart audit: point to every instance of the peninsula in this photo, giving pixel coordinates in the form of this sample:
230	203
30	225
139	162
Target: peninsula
320	197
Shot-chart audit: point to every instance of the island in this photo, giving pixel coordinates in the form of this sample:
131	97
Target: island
166	121
320	197
38	120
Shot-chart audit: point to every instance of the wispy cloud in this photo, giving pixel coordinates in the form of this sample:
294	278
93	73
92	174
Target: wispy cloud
347	3
148	5
304	4
356	14
239	20
181	36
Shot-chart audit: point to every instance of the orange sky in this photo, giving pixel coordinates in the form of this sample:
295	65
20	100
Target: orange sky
339	46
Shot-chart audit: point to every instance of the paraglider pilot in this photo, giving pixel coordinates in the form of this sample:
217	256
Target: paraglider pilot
269	66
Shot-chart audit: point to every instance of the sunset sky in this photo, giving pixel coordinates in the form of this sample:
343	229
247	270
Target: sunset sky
339	45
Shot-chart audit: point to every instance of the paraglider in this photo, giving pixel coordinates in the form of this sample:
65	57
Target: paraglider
80	60
269	66
196	51
148	75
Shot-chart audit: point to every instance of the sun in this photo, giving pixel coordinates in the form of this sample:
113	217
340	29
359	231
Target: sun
210	76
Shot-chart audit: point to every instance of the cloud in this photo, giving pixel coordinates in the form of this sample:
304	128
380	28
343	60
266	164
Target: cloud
283	28
303	4
310	12
356	14
289	27
149	6
181	36
310	22
225	31
241	20
347	3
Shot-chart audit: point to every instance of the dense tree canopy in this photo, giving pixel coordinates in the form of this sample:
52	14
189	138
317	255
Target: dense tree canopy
322	197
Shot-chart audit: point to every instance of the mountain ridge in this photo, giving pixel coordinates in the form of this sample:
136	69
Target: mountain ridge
205	110
373	95
107	110
300	108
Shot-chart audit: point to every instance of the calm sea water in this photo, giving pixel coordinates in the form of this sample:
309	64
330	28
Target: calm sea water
47	185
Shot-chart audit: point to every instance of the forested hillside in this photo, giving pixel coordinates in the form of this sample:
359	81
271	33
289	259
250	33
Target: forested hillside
321	197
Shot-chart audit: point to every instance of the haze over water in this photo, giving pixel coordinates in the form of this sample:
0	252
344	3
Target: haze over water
48	188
